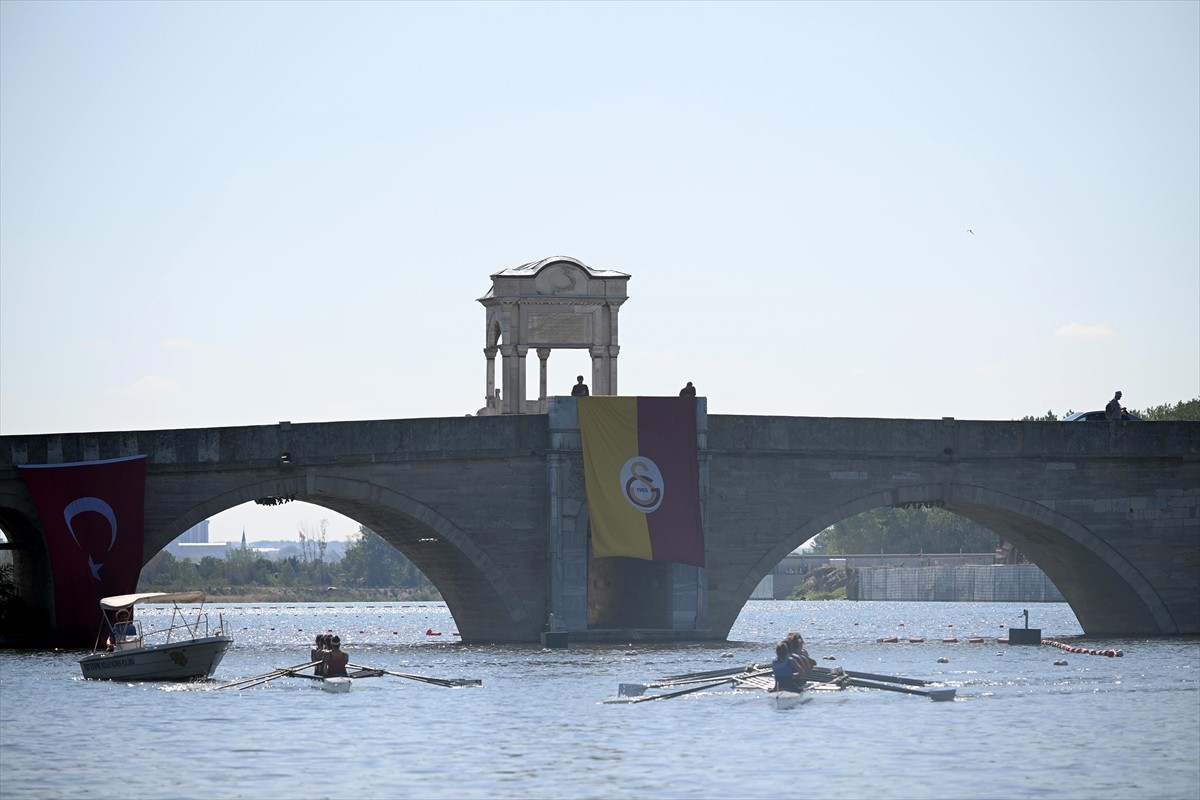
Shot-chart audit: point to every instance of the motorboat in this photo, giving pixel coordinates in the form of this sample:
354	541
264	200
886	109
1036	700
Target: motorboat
187	648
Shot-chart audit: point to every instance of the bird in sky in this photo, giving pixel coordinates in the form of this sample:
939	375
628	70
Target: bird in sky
970	231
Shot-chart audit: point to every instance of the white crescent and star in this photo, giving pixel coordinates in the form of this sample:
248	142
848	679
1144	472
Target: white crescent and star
79	506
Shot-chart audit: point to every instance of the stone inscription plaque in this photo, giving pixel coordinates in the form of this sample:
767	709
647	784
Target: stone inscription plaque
557	329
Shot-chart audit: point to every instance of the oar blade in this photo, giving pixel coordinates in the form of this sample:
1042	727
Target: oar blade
942	694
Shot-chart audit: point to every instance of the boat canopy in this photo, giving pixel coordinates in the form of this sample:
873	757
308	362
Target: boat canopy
117	602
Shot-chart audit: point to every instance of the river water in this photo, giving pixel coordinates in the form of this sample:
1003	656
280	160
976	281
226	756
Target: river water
1021	727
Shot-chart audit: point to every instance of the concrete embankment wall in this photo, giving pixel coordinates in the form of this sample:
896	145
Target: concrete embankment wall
1023	583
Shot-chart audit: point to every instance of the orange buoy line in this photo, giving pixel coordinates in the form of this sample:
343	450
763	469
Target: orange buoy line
945	640
1088	651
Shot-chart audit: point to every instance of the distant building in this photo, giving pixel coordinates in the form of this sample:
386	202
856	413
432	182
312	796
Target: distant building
188	551
193	544
197	534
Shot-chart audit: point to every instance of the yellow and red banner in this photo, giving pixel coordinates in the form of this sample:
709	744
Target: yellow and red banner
643	477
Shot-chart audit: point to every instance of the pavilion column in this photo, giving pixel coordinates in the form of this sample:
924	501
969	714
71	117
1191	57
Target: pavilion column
490	398
613	349
522	351
543	358
508	369
600	384
612	368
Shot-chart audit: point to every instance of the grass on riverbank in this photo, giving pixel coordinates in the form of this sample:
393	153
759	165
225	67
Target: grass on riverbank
799	593
312	594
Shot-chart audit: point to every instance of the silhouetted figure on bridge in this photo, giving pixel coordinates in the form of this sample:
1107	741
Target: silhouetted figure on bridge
1114	410
580	388
688	391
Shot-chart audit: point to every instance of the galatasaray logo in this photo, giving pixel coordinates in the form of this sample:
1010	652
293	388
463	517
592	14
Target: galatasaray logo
642	484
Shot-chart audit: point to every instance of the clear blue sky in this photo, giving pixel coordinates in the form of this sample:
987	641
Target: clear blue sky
218	214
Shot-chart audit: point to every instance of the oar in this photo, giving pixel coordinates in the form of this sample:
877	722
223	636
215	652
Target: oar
932	694
637	689
447	682
872	676
689	690
279	673
688	677
365	673
275	673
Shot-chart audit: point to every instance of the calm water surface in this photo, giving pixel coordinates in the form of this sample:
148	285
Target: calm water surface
539	728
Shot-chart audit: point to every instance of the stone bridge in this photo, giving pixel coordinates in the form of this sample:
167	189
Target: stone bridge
492	509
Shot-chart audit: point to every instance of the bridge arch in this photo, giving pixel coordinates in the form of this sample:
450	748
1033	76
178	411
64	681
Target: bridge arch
31	577
1103	588
477	592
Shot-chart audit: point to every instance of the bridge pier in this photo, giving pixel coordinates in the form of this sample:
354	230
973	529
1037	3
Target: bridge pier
611	599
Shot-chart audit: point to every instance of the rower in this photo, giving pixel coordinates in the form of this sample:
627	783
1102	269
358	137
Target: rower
335	659
803	662
783	670
318	654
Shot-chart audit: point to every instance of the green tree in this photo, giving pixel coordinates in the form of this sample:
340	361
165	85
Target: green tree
1183	411
905	531
369	561
1180	412
165	573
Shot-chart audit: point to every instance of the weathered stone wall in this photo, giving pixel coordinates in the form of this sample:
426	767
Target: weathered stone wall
1017	583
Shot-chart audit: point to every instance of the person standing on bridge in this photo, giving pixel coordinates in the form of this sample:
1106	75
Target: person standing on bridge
688	391
580	389
1114	410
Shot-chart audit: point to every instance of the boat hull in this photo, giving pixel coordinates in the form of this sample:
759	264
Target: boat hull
337	685
784	699
187	660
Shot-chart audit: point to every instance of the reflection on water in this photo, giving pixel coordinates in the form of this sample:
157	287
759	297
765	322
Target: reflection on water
1021	726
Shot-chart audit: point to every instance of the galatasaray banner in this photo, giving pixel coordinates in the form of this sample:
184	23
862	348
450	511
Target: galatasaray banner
92	517
643	477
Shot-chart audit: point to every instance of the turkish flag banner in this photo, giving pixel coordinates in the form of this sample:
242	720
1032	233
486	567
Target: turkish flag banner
92	516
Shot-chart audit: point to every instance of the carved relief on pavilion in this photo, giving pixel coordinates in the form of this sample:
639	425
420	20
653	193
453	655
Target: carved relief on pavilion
561	278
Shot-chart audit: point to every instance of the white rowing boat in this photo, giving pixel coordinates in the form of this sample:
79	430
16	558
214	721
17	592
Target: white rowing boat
337	685
186	649
784	699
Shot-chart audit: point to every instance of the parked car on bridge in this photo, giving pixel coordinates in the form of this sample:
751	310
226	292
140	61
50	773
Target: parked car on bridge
1098	416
